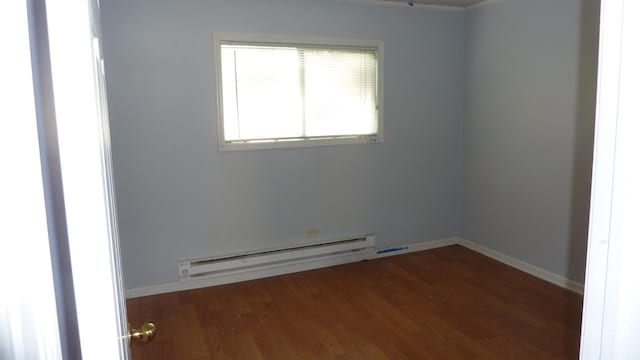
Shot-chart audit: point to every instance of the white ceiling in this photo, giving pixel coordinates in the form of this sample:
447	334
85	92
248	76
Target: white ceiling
452	3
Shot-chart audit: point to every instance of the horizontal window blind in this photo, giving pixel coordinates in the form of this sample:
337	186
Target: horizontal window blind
290	92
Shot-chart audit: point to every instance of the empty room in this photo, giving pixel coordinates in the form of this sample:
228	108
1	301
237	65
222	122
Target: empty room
473	140
320	179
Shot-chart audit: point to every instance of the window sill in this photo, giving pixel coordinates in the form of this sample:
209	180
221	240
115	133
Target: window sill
275	144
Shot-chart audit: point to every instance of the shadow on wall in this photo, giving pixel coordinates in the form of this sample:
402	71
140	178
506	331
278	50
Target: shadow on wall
583	148
583	139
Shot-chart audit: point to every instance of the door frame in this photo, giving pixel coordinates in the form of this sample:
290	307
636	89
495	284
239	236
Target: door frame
611	312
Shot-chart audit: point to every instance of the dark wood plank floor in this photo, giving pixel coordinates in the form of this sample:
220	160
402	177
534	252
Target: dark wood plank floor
446	303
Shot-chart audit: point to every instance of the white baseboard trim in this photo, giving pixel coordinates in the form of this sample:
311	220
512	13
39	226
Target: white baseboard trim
320	263
419	246
524	266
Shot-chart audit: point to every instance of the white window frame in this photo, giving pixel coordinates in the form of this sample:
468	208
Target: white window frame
376	45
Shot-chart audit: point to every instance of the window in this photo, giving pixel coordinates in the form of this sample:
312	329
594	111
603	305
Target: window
275	93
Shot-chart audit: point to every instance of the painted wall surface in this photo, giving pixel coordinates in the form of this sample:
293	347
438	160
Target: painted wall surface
528	130
178	197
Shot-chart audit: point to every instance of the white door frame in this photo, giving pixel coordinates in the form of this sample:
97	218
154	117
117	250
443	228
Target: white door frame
611	316
37	318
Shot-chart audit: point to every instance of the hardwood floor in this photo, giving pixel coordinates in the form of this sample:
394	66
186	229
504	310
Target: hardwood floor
446	303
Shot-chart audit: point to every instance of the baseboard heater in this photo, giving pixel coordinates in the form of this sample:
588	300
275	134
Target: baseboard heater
291	259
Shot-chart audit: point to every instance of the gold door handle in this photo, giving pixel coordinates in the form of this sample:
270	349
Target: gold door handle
144	333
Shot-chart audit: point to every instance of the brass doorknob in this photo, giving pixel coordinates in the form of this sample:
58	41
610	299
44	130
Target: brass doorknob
144	333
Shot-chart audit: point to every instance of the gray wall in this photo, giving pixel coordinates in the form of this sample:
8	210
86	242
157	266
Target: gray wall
178	197
528	129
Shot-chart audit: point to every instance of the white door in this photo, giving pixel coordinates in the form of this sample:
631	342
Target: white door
63	261
77	75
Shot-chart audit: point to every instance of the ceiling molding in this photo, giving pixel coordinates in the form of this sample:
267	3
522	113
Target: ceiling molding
416	5
483	4
406	5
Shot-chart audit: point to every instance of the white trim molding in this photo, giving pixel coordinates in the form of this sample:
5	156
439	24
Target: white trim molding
406	5
419	246
611	313
524	266
380	253
483	4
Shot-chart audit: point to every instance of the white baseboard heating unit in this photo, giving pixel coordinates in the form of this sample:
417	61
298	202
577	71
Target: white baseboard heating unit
253	265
